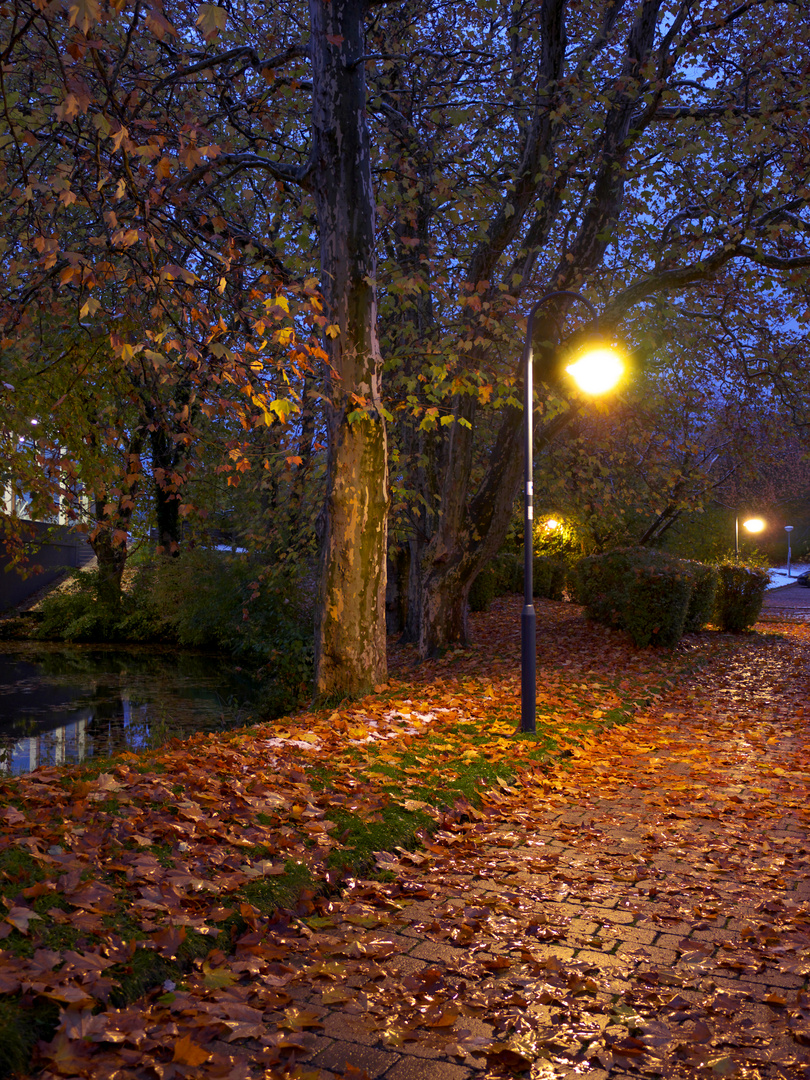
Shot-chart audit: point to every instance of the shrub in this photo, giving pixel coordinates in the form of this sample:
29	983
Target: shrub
483	589
657	600
508	569
647	593
549	576
201	599
741	590
704	595
73	614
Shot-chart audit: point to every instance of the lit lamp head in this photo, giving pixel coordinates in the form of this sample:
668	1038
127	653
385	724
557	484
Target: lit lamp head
551	525
597	369
754	525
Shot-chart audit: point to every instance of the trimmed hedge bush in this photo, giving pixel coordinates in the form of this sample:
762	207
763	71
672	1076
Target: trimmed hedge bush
654	597
703	598
740	593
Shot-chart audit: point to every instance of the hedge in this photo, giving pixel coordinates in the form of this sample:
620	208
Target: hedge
655	597
740	593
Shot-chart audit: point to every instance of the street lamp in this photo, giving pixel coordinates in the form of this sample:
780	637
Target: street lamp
788	530
752	525
597	370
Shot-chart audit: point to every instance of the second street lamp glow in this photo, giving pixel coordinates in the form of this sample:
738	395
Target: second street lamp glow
597	370
754	525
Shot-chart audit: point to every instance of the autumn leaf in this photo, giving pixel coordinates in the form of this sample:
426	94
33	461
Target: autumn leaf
20	917
188	1052
211	20
217	978
84	14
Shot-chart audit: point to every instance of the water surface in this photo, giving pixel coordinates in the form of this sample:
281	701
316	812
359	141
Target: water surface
61	704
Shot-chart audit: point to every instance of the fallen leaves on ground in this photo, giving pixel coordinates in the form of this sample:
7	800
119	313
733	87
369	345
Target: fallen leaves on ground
639	906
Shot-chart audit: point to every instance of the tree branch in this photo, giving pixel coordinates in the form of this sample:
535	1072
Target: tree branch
244	52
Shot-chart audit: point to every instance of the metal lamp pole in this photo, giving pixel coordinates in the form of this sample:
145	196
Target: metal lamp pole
528	638
788	530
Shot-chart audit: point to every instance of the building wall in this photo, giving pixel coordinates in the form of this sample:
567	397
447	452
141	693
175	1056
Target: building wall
54	549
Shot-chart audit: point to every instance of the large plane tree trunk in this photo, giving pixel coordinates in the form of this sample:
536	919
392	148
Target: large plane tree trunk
350	630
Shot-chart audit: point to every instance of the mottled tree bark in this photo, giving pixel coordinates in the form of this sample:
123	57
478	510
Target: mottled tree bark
350	630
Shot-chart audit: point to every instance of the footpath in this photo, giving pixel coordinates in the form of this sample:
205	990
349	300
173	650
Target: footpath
635	905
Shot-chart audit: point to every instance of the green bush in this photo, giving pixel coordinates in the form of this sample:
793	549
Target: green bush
75	614
653	596
549	576
657	601
740	592
508	569
70	615
483	589
704	594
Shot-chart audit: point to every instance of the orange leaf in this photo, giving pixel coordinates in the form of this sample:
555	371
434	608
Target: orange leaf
187	1052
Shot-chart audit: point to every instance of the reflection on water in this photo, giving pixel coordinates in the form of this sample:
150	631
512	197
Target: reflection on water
61	704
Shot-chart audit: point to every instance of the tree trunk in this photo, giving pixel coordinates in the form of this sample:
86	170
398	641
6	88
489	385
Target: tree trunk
111	552
453	559
350	627
168	454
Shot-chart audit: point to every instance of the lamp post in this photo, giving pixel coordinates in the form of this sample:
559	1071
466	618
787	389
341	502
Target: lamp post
788	530
597	369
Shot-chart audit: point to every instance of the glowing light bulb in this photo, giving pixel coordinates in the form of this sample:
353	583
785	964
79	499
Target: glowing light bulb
754	525
597	370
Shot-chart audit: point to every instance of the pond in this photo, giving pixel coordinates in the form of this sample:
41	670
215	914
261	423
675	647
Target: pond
61	704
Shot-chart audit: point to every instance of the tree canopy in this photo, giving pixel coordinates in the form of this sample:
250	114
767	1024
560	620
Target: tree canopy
333	218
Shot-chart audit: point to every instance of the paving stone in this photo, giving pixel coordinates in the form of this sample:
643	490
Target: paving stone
610	916
628	934
342	1054
435	952
409	1068
341	1027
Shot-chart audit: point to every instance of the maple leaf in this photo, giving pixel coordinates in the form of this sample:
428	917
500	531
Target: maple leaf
211	20
217	978
187	1052
84	14
20	917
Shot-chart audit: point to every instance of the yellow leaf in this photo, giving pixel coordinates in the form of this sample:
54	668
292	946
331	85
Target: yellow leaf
216	978
332	330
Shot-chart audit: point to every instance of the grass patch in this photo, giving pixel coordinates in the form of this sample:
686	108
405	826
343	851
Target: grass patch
21	1029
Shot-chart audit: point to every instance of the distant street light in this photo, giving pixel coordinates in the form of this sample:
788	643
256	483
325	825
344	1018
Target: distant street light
597	369
788	530
752	525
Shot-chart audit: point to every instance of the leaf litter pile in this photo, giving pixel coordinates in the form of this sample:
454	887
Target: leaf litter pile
404	888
